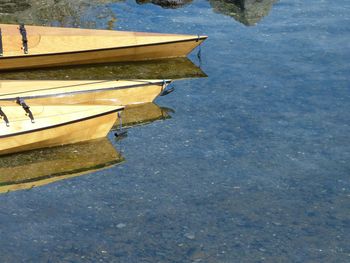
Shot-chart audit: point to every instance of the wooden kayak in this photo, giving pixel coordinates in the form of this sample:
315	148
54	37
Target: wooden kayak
119	92
41	167
23	128
25	46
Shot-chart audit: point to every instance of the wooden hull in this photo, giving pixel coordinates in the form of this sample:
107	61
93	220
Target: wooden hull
81	92
41	167
54	125
49	47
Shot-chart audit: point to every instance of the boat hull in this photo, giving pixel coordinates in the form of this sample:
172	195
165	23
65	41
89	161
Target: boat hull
135	53
54	46
54	130
81	92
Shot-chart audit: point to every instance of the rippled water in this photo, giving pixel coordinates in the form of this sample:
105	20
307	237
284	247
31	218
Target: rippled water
249	164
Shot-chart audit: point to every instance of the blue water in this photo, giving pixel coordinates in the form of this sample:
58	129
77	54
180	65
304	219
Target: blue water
253	166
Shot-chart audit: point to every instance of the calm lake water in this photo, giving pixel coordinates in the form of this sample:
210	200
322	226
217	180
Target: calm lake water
249	164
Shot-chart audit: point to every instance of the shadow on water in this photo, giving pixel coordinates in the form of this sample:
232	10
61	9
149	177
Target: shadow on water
41	167
177	68
69	13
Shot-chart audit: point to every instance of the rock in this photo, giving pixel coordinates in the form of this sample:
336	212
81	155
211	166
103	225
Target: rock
121	225
190	236
166	3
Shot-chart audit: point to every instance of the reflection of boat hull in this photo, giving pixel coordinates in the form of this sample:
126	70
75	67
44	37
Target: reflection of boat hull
50	46
82	92
54	125
142	114
41	167
175	68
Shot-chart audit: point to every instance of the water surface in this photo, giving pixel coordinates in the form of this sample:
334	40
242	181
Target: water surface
253	165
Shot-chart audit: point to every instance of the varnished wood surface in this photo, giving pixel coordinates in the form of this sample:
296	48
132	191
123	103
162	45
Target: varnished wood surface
40	167
54	125
50	46
120	92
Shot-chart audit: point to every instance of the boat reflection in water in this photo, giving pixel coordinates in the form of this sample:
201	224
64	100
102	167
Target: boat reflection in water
41	167
143	114
175	68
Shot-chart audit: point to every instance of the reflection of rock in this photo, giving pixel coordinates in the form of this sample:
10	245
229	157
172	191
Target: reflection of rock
248	12
83	12
61	12
166	3
7	6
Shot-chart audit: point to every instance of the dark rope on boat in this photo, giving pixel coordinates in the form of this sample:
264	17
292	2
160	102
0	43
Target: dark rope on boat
26	108
23	32
4	117
1	47
120	133
199	53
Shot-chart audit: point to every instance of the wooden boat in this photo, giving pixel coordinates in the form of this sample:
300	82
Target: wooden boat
174	68
117	92
41	167
23	128
36	46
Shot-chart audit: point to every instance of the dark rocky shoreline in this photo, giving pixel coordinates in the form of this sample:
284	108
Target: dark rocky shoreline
69	13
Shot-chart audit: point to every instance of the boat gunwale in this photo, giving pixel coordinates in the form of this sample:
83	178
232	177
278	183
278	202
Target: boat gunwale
77	92
197	39
118	109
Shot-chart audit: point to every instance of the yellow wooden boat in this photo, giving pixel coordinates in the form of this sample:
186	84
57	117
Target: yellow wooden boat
41	167
25	128
119	92
36	46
